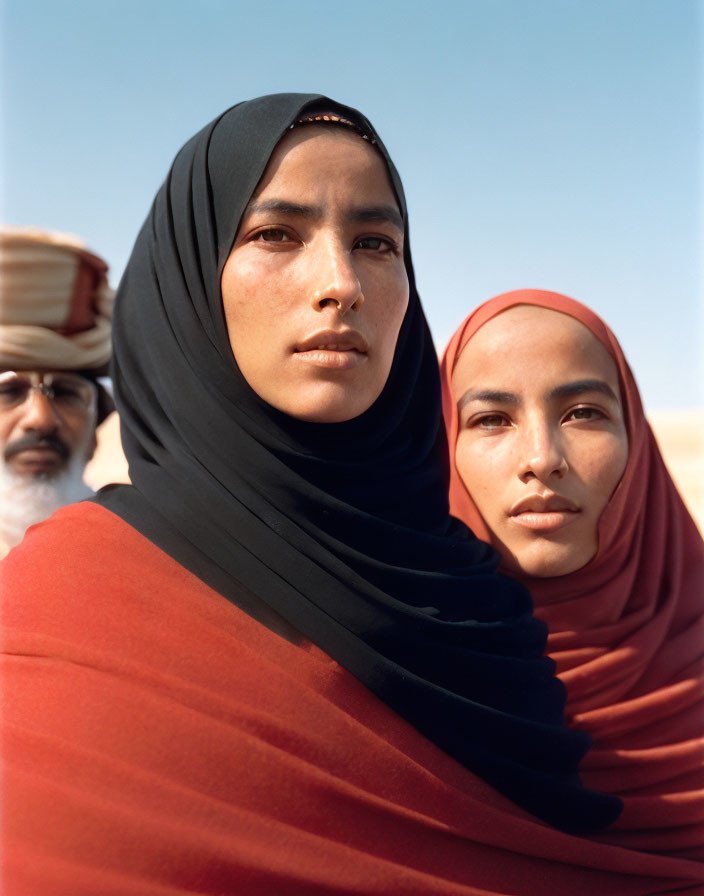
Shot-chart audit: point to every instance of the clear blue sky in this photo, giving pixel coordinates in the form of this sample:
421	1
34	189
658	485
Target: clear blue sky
546	143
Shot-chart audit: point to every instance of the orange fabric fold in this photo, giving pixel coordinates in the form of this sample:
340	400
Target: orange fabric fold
627	630
158	741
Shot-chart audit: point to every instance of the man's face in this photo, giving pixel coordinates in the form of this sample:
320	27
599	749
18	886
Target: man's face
46	419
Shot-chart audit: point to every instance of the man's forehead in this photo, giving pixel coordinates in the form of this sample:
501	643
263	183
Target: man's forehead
42	371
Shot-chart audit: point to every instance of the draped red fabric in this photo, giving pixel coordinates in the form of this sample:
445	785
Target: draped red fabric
626	630
158	741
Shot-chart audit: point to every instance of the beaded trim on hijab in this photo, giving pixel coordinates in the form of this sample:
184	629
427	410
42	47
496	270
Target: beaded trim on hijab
319	117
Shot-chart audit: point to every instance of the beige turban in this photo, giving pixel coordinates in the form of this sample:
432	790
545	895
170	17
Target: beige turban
55	302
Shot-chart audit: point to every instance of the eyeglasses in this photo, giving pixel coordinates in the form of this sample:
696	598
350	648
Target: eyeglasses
67	391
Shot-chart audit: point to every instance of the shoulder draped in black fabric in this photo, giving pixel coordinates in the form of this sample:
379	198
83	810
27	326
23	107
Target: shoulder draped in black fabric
339	532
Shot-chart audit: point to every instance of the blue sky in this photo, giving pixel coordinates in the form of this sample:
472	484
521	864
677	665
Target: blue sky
545	143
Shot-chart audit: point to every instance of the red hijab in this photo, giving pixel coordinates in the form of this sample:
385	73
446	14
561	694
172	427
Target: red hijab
626	630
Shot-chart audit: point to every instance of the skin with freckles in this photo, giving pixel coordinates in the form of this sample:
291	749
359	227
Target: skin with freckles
39	437
315	288
542	441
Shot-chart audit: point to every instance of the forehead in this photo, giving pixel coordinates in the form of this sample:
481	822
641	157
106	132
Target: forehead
35	372
323	156
526	347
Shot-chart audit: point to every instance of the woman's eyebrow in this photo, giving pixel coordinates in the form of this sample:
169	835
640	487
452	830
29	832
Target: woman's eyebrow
578	387
361	213
283	207
386	213
491	395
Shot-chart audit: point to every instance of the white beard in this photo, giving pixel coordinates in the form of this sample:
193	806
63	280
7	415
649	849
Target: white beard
26	499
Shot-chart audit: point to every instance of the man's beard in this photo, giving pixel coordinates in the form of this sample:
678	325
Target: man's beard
27	499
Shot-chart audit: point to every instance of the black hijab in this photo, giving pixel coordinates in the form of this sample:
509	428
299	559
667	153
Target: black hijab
336	532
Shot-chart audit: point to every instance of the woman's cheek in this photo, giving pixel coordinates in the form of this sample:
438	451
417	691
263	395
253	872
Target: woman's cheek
478	464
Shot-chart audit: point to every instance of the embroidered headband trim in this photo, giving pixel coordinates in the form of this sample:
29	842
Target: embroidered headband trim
319	117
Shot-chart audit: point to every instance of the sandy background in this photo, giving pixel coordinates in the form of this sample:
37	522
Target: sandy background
680	435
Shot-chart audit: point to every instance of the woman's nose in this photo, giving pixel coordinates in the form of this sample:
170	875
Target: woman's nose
542	455
335	280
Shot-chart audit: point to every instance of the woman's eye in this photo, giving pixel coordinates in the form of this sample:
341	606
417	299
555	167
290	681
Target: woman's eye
273	235
375	243
585	414
491	421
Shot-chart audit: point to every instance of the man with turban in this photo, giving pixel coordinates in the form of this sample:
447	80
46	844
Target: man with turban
55	310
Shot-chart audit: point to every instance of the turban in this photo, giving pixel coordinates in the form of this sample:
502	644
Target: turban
56	303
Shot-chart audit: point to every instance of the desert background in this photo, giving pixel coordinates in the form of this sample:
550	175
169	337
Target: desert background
680	434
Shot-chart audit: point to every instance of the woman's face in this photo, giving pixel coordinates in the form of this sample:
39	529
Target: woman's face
315	288
542	441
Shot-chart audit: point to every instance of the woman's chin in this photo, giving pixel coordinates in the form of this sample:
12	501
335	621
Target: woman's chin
545	561
325	402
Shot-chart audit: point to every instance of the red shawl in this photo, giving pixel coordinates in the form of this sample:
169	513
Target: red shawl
157	741
626	630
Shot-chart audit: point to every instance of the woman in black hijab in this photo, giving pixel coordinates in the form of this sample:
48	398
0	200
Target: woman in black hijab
304	480
341	528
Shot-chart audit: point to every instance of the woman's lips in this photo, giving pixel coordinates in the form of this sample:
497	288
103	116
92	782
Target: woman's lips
336	359
544	521
544	513
334	350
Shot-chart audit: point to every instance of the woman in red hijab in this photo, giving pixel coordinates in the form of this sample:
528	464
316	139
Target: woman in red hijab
554	463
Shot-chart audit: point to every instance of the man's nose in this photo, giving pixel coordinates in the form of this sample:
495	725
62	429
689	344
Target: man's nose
335	280
39	414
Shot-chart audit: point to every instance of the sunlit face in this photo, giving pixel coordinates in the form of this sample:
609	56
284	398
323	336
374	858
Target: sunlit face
39	434
542	441
315	288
